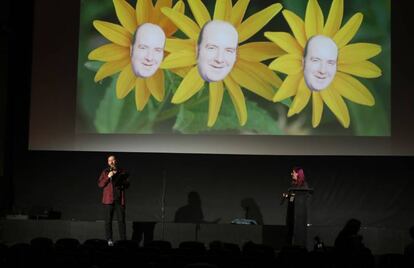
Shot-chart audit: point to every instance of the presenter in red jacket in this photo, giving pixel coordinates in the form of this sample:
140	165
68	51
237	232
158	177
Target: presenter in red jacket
114	181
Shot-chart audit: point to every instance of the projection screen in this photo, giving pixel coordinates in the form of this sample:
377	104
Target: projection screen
227	77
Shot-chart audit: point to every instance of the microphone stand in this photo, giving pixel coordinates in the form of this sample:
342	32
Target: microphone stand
164	184
197	229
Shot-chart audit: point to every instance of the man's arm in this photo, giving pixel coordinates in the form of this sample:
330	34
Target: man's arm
103	179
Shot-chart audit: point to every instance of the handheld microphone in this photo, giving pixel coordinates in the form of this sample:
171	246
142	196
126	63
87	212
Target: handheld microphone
112	168
283	198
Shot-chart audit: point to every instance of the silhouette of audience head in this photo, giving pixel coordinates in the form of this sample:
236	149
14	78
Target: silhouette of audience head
194	199
352	227
350	249
348	239
409	250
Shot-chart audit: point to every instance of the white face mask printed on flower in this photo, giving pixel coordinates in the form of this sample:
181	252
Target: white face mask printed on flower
147	51
320	62
217	50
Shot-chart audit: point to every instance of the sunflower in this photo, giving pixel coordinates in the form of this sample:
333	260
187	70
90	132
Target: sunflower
117	55
352	60
247	72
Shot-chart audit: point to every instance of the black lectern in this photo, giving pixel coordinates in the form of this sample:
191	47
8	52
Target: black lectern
297	215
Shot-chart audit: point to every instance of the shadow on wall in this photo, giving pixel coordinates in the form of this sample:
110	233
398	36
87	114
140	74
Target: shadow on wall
252	210
192	211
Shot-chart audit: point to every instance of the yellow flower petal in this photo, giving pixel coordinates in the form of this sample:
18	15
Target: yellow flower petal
155	84
109	52
179	59
317	108
297	26
352	89
313	19
301	99
250	82
337	105
200	12
156	14
142	94
190	85
348	31
166	24
237	97
214	102
288	64
184	23
364	69
144	10
182	72
222	10
175	45
285	41
113	32
334	21
126	15
261	71
288	88
259	51
357	52
257	21
125	82
110	68
238	11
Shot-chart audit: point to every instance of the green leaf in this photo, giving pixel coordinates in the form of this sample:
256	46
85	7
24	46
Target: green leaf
375	120
93	65
287	102
192	118
133	121
109	111
260	122
122	117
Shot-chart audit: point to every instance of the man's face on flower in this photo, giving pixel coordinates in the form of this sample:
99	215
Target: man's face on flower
147	51
217	50
320	62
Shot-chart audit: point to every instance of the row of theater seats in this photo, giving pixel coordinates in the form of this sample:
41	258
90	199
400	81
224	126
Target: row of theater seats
69	252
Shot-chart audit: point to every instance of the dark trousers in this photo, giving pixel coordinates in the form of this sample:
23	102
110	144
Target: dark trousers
109	215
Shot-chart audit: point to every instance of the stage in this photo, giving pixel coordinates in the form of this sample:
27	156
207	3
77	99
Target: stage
379	240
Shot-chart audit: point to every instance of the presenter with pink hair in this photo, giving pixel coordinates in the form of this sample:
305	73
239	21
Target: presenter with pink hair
297	211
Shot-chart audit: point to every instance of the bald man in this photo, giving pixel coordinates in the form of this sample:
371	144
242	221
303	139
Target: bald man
320	62
216	50
114	181
147	50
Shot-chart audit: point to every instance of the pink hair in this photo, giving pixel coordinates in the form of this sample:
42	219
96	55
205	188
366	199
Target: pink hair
301	176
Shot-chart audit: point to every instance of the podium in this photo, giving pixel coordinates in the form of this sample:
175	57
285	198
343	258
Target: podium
297	215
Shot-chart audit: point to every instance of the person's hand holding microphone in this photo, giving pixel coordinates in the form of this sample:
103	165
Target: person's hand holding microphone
111	173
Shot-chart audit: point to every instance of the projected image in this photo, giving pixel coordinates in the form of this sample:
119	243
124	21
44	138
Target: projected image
315	53
234	67
218	67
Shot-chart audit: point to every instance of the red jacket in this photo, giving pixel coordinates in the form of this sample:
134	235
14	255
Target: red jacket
108	188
